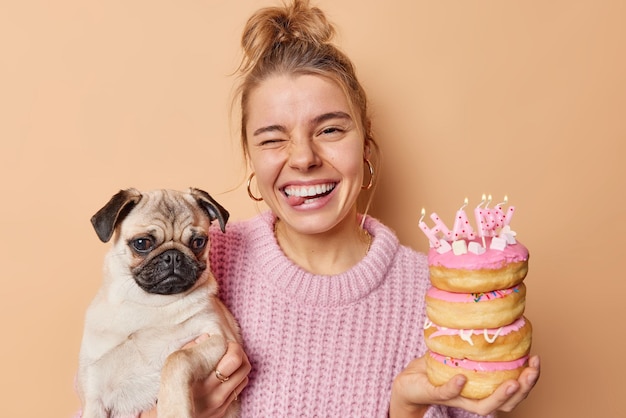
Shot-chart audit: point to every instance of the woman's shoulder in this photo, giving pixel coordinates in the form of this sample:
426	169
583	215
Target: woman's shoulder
242	228
241	235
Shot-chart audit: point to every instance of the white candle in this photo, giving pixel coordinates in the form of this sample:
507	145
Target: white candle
490	218
430	233
481	222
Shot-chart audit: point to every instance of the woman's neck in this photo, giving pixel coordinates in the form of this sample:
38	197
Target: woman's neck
328	253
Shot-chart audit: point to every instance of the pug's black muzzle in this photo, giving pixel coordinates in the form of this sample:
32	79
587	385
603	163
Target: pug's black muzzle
169	273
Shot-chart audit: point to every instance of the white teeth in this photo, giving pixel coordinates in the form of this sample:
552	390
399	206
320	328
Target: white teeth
309	191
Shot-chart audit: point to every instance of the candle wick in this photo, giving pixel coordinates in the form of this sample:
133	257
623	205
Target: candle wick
482	201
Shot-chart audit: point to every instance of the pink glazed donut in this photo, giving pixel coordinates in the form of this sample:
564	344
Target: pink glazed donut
476	310
506	343
470	272
483	378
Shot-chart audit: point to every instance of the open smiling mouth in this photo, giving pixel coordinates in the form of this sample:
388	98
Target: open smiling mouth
299	195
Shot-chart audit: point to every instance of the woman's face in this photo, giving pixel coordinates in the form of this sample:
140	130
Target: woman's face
306	149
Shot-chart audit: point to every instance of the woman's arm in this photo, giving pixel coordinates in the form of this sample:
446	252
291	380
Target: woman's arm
211	396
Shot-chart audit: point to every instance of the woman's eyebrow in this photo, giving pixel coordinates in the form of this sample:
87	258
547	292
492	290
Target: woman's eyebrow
269	128
331	115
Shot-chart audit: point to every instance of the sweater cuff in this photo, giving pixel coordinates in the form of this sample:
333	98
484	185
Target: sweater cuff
436	411
439	411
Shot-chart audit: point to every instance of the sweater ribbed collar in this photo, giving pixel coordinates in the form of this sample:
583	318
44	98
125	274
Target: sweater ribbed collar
300	285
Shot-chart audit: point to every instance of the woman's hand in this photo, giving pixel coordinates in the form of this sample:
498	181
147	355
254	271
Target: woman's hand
213	396
412	393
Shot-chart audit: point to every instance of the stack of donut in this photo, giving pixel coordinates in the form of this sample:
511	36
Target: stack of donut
475	309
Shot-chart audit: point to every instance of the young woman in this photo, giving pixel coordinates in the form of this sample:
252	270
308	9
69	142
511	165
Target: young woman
330	304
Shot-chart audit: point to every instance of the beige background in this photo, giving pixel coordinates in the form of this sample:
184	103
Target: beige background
525	98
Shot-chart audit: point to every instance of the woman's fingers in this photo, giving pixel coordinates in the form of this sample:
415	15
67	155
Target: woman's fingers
525	384
225	384
234	364
411	389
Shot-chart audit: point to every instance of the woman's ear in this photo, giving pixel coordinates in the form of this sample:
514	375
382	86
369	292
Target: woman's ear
366	131
367	149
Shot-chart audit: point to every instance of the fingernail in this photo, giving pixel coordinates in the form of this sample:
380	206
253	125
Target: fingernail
201	338
535	362
532	378
460	381
511	390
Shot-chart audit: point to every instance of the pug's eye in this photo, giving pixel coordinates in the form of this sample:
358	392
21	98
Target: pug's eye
142	245
198	244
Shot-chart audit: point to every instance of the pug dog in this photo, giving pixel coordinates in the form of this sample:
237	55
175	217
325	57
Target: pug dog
157	294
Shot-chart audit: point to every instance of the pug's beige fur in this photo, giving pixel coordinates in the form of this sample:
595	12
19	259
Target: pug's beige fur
157	294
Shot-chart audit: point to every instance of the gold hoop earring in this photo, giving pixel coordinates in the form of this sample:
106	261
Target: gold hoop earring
253	197
371	183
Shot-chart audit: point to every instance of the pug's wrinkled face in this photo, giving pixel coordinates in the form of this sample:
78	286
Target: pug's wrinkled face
168	249
162	237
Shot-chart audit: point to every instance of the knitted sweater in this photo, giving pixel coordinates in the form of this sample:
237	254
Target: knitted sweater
322	346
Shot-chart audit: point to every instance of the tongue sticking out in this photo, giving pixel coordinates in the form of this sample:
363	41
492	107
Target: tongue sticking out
295	200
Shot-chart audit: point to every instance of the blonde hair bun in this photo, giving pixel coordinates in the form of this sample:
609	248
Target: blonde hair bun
271	27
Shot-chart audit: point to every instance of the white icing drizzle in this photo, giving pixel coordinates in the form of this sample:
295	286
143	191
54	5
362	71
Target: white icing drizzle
491	340
466	336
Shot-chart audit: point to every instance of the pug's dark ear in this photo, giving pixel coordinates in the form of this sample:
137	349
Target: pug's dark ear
111	214
212	208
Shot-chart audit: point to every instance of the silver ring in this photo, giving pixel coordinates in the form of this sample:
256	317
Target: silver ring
220	376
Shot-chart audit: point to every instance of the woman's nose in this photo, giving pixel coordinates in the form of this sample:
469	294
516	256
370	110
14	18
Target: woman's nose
303	156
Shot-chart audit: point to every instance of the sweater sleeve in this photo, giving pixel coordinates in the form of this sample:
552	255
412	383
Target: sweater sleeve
438	411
